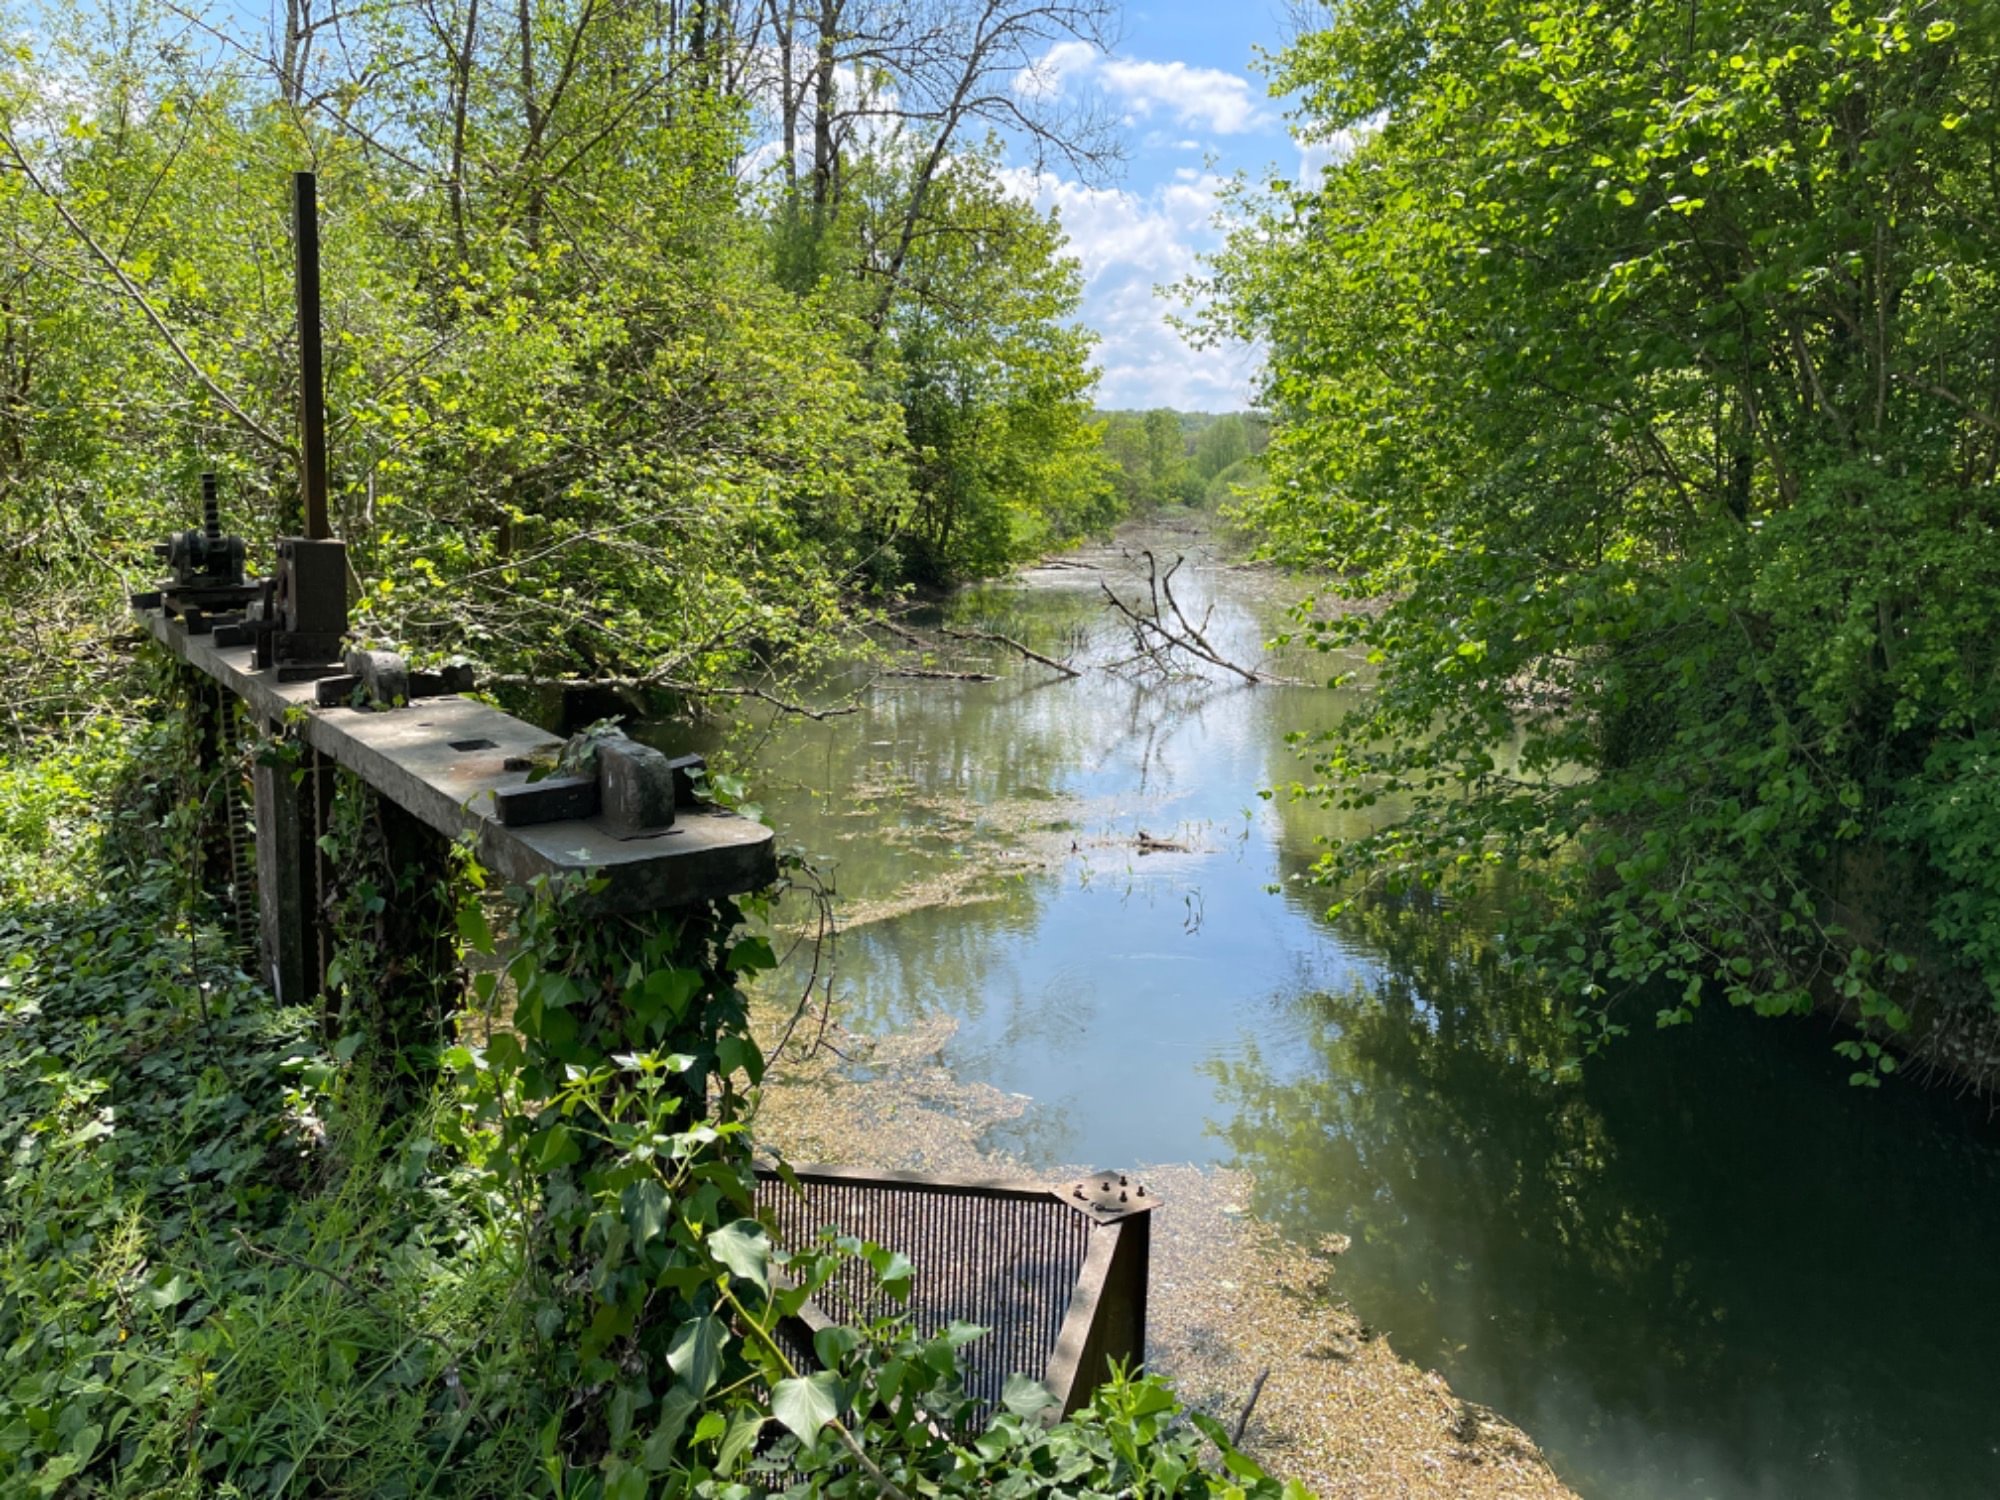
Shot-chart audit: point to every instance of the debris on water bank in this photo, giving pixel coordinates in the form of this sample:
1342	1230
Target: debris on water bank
1231	1303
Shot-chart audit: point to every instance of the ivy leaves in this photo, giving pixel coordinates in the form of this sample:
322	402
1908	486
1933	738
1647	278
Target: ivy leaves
806	1404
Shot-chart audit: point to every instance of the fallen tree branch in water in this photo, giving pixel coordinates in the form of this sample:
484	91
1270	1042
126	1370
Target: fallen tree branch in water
903	632
1157	640
668	685
933	674
1008	641
1256	1390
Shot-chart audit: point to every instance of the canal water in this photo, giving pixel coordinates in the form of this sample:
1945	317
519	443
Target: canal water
1707	1267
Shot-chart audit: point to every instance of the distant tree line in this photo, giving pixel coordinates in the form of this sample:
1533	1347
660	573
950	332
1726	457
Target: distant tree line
1167	457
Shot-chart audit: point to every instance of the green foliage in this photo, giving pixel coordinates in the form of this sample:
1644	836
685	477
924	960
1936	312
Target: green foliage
1222	444
994	378
1150	450
219	1272
1177	458
1634	355
578	427
1244	477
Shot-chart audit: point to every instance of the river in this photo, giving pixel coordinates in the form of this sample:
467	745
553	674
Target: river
1706	1267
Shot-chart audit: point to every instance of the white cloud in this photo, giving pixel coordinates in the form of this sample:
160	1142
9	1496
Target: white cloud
1049	75
1206	98
1128	243
1200	98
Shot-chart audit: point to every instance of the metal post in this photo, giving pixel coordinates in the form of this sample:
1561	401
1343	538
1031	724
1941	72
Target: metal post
312	386
293	804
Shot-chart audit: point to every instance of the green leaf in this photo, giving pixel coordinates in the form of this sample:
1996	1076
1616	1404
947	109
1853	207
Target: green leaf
473	929
752	954
1025	1396
552	1147
834	1343
695	1354
742	1433
745	1249
807	1405
734	1052
645	1209
676	1407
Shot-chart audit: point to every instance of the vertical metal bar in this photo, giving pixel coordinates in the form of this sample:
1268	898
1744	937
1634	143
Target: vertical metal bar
290	818
312	386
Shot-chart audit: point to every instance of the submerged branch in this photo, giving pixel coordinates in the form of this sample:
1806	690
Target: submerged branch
670	685
1008	641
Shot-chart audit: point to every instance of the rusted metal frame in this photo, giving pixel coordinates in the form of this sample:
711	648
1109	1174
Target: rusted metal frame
1106	1322
292	803
970	1187
312	380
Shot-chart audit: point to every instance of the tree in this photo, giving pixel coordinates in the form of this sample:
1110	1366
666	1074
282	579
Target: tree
576	429
1224	442
1643	358
995	382
911	82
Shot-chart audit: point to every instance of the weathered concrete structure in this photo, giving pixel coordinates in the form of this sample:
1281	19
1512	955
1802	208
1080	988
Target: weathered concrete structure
442	760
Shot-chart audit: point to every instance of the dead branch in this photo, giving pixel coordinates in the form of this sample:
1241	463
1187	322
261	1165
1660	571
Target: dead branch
1013	645
904	633
1256	1390
932	674
1162	628
666	685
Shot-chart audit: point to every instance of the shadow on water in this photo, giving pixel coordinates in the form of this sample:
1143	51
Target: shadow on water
1708	1268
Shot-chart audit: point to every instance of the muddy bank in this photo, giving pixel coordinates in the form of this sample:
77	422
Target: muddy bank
1340	1411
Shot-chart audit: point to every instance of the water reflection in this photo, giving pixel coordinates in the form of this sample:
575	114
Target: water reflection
1708	1268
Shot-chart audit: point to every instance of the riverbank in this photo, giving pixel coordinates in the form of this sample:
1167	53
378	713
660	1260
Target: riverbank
1340	1410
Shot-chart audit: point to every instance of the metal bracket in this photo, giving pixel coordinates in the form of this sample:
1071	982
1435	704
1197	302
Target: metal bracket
636	791
385	680
1108	1196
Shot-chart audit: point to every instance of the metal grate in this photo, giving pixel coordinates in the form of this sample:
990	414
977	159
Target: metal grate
240	899
1005	1256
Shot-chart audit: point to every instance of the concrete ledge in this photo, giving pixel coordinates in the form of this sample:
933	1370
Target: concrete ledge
441	760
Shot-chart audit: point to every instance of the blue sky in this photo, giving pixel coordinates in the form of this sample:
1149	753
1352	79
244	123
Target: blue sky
1194	112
